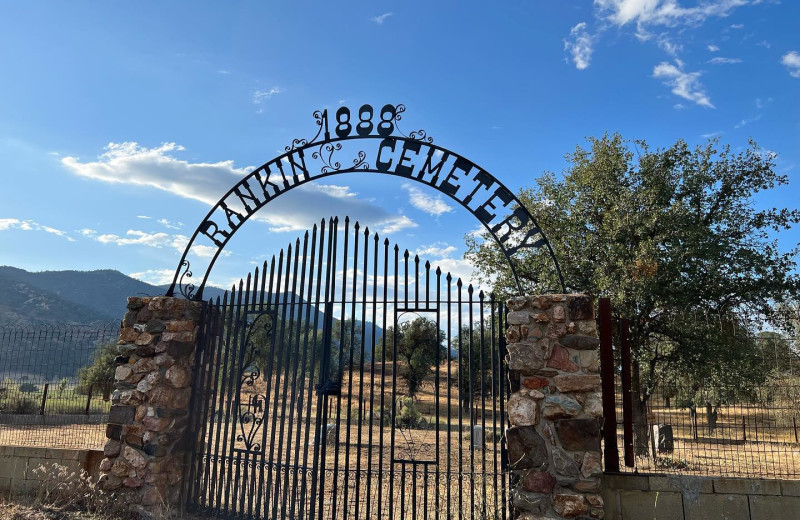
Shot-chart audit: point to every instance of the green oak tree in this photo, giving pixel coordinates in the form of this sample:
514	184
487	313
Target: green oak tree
669	235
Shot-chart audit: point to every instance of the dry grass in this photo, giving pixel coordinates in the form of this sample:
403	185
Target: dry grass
65	436
749	440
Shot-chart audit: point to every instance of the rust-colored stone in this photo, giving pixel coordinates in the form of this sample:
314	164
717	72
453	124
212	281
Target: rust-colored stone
180	326
512	334
156	424
560	360
579	434
538	482
559	314
128	335
570	506
534	383
577	383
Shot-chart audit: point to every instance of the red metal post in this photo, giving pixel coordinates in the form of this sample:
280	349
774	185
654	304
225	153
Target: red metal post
611	455
627	399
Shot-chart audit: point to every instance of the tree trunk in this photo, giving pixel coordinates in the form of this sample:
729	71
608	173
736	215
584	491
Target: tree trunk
711	418
641	431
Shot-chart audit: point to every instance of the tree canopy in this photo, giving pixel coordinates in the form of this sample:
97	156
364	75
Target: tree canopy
672	236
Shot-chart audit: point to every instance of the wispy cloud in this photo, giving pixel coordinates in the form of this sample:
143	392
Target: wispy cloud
791	60
712	135
432	205
684	84
737	26
579	46
159	168
378	20
159	240
719	60
745	122
30	225
170	225
712	48
262	96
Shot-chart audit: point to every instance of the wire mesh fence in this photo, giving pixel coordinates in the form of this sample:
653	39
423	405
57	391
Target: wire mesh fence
722	418
736	432
55	384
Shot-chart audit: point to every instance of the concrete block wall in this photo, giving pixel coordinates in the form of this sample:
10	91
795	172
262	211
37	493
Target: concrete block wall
681	497
18	465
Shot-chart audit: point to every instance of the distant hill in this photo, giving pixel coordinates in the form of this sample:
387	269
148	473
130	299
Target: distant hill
84	297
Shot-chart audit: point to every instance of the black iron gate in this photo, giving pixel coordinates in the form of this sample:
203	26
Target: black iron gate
346	380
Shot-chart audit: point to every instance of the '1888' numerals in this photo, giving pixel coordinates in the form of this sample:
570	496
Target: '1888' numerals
365	125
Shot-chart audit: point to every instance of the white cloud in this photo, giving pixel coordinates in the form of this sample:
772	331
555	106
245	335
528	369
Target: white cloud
667	13
720	60
398	224
737	26
712	135
712	48
155	276
684	84
30	225
792	62
438	250
261	96
158	168
378	20
579	45
432	205
159	240
765	44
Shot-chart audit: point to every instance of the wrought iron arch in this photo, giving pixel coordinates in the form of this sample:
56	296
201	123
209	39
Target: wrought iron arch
369	136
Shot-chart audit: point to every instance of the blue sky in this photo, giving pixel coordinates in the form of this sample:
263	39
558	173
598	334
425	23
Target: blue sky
121	124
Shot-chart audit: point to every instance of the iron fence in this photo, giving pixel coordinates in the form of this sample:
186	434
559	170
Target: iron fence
50	393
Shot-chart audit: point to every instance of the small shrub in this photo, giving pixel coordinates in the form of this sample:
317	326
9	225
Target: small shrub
409	416
28	388
21	405
66	489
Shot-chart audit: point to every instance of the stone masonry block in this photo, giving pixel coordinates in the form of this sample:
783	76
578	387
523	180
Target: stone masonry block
790	488
742	486
626	482
713	507
765	507
651	505
682	484
12	467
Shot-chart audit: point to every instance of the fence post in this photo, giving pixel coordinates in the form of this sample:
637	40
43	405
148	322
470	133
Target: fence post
794	422
627	398
610	453
44	398
88	400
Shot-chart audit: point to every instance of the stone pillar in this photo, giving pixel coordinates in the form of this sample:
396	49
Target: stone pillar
555	407
150	405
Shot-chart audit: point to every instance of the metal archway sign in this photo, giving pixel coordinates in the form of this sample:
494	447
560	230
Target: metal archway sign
373	143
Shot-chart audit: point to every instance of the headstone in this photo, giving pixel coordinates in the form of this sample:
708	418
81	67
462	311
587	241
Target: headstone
662	440
478	438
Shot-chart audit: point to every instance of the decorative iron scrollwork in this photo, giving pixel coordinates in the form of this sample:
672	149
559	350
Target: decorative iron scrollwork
187	290
252	404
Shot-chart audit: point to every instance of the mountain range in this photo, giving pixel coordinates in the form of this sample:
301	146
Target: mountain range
85	297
